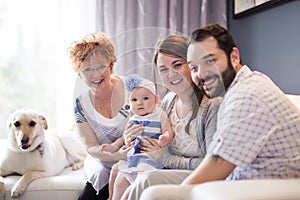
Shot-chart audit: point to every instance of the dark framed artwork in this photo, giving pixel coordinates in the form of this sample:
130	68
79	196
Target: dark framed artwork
242	8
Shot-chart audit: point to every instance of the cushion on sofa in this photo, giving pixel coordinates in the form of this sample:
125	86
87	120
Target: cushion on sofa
248	189
64	186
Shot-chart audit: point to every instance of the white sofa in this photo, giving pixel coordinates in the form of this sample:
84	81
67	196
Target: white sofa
65	186
68	185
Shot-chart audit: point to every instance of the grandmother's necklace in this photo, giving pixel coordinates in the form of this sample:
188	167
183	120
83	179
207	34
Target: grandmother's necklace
102	108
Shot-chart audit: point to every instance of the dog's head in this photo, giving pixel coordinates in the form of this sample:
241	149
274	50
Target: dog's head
26	130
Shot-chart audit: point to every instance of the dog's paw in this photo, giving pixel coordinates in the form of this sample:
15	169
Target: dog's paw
17	190
78	165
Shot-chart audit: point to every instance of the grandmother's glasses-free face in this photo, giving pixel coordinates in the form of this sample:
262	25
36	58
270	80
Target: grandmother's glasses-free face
99	69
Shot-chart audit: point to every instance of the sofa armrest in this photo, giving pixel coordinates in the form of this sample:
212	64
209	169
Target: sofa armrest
295	99
272	189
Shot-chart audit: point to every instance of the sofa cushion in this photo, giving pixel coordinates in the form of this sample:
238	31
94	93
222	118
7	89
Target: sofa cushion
66	185
248	189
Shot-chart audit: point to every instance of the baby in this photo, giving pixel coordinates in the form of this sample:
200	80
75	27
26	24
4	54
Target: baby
143	104
144	107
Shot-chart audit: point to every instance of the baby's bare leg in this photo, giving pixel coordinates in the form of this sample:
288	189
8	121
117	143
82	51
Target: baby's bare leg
120	186
126	193
112	178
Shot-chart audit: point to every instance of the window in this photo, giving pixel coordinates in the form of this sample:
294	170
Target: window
35	71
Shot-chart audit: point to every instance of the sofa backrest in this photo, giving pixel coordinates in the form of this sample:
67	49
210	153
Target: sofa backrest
295	99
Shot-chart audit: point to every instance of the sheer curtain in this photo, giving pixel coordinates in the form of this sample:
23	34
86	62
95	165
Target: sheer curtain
34	65
135	26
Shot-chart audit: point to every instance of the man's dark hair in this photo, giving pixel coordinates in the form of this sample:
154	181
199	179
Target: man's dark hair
224	39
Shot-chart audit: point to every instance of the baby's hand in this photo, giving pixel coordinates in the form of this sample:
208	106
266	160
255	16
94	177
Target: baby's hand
164	139
123	152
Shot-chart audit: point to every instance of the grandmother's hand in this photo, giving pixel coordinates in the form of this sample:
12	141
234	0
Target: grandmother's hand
131	132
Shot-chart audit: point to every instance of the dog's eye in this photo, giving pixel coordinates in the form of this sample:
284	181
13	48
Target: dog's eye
32	123
17	124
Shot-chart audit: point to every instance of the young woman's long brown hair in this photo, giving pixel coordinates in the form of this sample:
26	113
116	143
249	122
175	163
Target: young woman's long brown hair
176	46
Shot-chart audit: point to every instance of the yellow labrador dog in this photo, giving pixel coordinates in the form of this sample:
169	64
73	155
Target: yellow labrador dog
33	153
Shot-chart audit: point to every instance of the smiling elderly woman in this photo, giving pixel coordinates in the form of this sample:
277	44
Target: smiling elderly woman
100	112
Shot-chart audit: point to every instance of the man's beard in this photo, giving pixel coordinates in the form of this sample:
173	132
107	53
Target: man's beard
223	83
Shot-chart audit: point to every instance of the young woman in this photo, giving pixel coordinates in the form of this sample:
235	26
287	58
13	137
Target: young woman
193	118
100	112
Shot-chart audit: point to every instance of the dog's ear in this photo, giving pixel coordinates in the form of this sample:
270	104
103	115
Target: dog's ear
10	120
43	122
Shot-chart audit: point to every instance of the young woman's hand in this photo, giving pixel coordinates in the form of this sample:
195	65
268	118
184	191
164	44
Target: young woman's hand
131	132
153	149
149	145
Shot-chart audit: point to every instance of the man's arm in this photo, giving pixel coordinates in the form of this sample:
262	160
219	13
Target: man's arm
211	168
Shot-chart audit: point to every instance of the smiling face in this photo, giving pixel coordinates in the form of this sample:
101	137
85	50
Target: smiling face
96	72
142	101
26	130
174	73
210	68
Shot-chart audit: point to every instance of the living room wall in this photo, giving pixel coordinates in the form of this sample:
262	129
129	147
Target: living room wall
269	41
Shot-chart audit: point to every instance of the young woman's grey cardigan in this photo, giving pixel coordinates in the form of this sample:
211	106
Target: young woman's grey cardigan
206	127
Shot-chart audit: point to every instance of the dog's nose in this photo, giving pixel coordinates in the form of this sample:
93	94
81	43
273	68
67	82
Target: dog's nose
24	140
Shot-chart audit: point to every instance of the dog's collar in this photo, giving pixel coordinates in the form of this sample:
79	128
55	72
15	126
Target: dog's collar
40	149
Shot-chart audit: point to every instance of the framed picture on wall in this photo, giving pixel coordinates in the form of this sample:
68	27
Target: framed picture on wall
243	8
